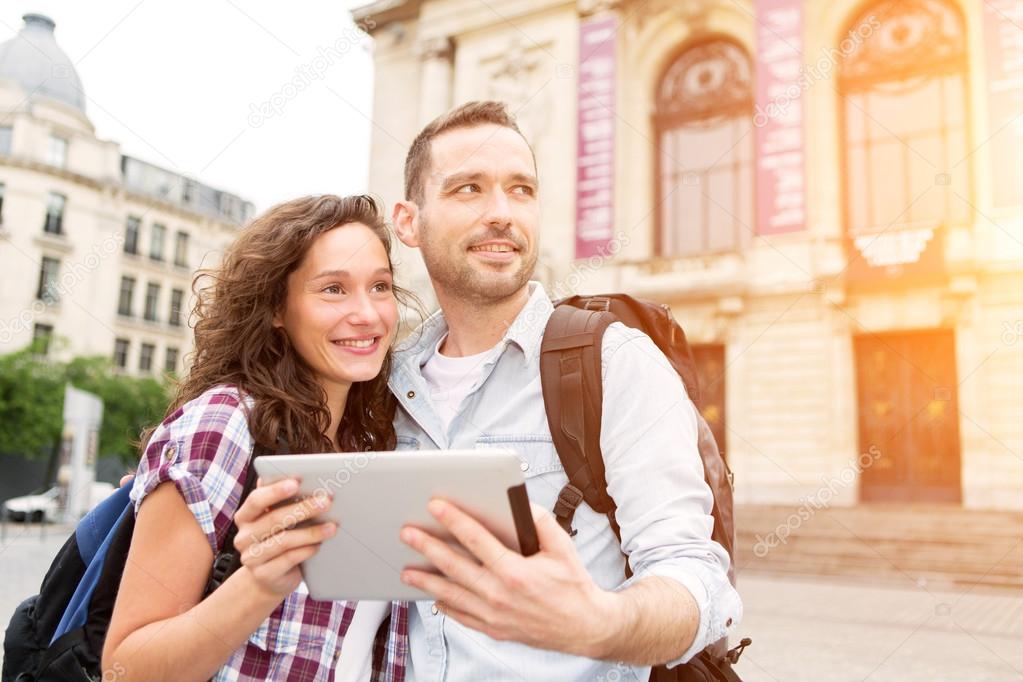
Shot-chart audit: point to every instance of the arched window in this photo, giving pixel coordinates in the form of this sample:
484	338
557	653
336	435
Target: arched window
703	118
904	100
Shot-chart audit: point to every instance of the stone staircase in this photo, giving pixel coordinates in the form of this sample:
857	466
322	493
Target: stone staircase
921	543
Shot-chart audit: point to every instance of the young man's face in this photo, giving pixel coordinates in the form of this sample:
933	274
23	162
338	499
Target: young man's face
479	217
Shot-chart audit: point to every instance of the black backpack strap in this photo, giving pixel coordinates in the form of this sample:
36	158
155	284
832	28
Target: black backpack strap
228	560
570	374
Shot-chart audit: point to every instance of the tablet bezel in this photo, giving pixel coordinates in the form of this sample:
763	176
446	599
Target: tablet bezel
377	493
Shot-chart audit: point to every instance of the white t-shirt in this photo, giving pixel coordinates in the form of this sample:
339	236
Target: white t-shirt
451	379
355	663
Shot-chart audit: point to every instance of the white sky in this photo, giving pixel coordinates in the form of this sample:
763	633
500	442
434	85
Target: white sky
175	83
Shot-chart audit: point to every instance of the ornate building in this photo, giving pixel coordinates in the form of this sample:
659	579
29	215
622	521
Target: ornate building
97	249
826	192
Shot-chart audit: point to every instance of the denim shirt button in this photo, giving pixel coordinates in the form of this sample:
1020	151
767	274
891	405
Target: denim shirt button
434	610
411	395
524	466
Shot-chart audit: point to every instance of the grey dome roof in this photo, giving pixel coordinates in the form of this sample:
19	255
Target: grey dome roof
35	61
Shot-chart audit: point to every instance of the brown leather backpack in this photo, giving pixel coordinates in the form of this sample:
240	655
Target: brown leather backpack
570	373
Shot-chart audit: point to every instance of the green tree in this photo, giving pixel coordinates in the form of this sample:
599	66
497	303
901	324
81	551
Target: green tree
32	400
31	404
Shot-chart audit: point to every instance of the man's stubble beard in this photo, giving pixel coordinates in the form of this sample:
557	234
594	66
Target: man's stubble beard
453	274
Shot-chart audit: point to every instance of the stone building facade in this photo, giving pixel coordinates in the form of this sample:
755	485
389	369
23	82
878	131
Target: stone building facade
97	249
825	192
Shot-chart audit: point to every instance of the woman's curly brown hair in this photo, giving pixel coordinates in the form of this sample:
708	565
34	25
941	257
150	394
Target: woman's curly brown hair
236	342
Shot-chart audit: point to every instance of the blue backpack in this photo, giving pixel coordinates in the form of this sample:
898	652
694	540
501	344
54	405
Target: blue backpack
58	634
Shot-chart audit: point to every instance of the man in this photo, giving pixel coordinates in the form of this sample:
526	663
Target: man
470	378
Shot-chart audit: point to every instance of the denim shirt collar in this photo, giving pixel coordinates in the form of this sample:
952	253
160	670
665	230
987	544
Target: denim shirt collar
526	332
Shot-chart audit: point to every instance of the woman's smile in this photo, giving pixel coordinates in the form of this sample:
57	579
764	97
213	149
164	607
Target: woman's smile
362	345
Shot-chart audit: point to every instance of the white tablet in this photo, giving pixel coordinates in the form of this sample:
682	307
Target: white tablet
376	494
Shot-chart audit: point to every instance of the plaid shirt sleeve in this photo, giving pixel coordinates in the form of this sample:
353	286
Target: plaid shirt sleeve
204	449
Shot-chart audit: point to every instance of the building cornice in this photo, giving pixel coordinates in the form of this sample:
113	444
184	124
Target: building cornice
377	15
594	7
54	171
114	187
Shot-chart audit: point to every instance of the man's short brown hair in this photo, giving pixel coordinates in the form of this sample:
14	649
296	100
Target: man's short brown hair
468	115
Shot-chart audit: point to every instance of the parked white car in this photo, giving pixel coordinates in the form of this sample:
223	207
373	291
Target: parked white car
47	506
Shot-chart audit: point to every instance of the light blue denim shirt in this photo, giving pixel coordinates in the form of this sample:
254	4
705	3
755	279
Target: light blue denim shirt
654	473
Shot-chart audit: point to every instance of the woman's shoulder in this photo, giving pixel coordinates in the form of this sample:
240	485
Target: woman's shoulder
218	414
204	448
220	403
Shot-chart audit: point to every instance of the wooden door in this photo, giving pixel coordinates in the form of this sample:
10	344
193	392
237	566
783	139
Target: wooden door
710	369
908	416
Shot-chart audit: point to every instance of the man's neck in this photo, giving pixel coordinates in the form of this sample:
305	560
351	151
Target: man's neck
474	327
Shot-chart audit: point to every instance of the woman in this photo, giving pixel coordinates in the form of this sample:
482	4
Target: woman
292	343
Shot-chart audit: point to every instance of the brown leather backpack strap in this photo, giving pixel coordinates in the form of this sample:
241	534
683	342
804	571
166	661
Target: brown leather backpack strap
570	374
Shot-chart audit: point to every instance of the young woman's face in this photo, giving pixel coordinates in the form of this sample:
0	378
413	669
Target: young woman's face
340	312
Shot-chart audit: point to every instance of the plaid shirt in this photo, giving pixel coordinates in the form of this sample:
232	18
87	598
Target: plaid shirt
204	449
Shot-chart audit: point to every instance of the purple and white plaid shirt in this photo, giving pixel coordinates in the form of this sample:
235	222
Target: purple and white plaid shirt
204	449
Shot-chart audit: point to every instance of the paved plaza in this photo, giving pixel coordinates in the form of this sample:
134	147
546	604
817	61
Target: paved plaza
804	629
815	630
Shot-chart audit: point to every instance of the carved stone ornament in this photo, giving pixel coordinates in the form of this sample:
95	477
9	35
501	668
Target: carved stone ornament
707	81
635	14
440	47
522	74
899	40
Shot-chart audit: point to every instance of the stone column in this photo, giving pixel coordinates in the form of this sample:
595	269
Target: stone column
436	56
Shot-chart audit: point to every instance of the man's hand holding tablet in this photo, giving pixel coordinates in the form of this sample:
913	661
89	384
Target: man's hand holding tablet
534	600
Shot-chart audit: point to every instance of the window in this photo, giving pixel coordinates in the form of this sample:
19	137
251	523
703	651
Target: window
5	140
49	271
156	238
131	234
176	302
121	353
181	250
56	154
704	123
127	294
170	365
146	357
152	297
187	191
42	334
54	213
904	95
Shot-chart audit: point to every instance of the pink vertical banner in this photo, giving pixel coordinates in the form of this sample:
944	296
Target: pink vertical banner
778	117
594	193
1004	43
